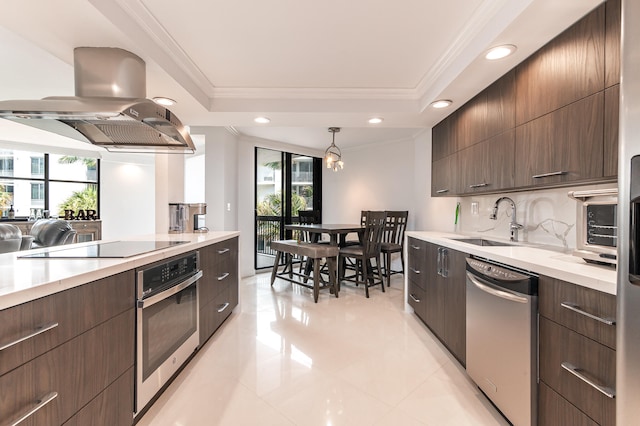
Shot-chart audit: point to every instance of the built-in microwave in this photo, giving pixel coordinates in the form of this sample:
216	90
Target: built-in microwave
596	225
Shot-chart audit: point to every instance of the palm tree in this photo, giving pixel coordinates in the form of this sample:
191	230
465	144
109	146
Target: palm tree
87	199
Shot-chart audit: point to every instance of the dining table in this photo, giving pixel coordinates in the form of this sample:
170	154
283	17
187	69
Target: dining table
337	232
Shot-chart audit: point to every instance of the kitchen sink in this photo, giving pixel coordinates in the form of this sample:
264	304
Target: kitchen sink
482	242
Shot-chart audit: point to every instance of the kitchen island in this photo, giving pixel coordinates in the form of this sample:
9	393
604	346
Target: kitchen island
68	346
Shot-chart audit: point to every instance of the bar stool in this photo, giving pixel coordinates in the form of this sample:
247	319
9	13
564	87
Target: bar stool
393	241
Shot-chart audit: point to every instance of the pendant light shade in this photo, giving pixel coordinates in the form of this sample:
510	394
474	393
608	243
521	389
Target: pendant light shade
333	155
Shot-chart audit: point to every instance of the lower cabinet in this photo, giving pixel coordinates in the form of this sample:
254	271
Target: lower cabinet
218	287
577	354
437	292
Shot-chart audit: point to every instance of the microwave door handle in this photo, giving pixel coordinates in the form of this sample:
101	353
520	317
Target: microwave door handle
634	242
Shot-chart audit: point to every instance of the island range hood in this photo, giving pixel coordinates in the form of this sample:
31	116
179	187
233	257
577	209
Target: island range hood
110	108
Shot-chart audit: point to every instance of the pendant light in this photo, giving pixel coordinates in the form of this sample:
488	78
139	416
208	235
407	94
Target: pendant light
333	155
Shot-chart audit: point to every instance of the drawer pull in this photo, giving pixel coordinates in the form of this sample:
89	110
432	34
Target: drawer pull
442	191
414	298
478	185
223	307
575	308
415	271
223	276
37	331
606	391
223	251
39	404
415	247
544	175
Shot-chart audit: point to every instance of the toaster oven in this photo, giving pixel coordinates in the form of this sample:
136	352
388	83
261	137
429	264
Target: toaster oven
596	225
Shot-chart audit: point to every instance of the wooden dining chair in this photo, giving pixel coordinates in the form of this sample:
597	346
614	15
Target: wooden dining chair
364	253
393	242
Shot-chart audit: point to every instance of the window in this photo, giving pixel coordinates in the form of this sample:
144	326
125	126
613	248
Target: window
33	182
37	192
37	166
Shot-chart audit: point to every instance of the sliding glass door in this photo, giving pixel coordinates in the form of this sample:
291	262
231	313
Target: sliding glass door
285	184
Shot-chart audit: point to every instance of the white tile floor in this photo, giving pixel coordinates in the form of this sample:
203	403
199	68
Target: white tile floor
280	359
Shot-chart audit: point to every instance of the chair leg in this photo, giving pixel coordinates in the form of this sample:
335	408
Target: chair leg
387	267
365	280
316	279
380	273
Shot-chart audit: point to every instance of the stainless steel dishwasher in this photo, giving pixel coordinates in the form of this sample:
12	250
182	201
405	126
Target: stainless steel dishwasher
502	337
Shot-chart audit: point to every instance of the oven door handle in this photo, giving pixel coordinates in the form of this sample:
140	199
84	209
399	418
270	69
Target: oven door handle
145	303
494	291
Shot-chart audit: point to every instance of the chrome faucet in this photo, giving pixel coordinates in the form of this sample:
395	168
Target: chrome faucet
513	225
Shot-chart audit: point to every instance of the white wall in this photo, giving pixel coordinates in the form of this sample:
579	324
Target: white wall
375	177
127	196
220	177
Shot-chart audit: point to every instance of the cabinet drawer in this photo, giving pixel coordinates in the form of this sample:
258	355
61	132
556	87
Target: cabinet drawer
76	371
417	251
68	313
416	298
587	311
554	410
213	314
595	362
226	251
113	407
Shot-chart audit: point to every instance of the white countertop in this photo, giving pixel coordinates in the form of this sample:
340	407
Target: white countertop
26	279
538	259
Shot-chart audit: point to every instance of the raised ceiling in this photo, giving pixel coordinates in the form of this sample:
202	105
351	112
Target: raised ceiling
306	65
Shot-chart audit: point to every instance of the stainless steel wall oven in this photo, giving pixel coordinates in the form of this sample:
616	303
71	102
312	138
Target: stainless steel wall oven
167	322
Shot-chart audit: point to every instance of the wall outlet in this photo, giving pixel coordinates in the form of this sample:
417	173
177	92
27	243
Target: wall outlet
228	207
474	208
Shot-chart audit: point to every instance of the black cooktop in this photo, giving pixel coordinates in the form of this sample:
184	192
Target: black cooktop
115	249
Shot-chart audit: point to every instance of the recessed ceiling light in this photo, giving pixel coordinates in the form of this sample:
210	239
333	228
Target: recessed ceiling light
262	120
442	103
161	100
500	52
376	120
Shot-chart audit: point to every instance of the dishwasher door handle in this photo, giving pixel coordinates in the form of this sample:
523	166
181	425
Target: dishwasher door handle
496	291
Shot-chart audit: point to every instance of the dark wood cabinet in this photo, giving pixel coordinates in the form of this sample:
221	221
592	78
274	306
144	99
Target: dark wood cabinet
488	166
568	68
577	354
437	292
565	122
611	126
445	175
613	19
218	287
75	372
563	146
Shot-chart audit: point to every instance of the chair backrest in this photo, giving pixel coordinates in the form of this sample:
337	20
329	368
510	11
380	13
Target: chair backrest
52	232
10	238
395	227
307	217
373	231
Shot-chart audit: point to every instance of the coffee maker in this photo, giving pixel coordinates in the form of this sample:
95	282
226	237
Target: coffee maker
187	217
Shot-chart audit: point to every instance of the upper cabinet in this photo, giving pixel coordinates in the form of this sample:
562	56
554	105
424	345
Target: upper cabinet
550	121
568	68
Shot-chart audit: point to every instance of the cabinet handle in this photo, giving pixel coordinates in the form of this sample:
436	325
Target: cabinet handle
575	308
223	276
223	251
606	391
544	175
445	263
415	247
223	307
442	191
415	271
478	185
38	330
439	261
39	404
414	298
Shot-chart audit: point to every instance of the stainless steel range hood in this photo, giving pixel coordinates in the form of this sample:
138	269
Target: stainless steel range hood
110	108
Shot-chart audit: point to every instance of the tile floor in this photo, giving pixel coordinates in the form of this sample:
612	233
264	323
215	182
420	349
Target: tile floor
280	359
